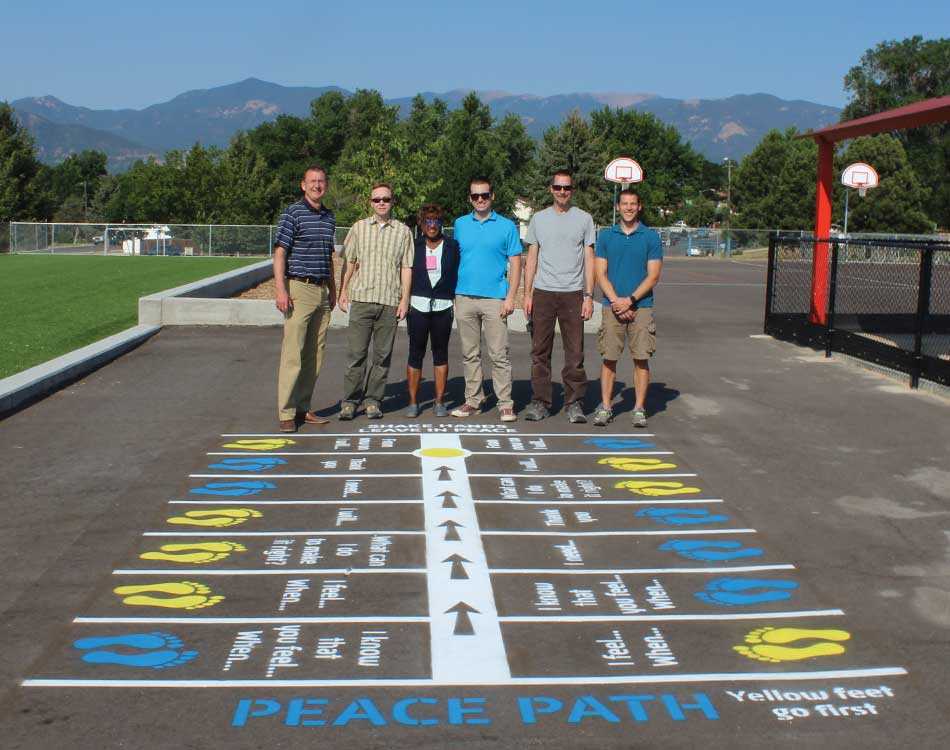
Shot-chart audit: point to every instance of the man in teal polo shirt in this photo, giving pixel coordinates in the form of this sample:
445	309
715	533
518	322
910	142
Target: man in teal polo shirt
488	279
627	264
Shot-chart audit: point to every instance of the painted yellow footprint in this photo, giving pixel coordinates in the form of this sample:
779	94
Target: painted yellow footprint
181	595
198	553
268	444
655	489
625	463
218	518
767	644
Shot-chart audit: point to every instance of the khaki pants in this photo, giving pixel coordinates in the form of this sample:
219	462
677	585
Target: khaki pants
369	322
474	316
301	353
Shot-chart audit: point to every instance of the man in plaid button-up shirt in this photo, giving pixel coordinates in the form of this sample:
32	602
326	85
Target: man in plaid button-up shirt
375	289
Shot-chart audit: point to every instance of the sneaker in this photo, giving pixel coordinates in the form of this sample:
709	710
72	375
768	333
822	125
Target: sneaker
373	411
602	416
507	415
412	411
465	410
439	410
639	418
575	413
347	411
536	411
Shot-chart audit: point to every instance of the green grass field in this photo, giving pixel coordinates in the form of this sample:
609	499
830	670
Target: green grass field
52	304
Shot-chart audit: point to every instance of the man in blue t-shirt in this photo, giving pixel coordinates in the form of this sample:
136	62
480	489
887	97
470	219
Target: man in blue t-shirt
627	264
488	279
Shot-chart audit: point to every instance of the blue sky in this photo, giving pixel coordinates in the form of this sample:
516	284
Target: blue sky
110	54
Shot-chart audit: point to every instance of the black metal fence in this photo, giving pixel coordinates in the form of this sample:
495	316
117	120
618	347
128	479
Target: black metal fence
888	301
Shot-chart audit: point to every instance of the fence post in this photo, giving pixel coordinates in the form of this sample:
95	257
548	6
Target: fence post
769	282
923	310
830	317
52	238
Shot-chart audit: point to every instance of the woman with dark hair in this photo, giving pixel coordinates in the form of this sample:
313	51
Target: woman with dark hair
434	274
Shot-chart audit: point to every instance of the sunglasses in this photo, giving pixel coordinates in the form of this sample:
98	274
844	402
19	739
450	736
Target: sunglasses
479	196
565	188
431	223
387	199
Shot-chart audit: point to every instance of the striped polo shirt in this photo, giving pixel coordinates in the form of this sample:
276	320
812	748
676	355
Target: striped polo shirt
306	233
381	250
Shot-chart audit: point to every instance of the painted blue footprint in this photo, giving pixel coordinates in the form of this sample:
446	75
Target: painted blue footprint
260	463
681	516
233	489
705	550
158	650
735	592
618	444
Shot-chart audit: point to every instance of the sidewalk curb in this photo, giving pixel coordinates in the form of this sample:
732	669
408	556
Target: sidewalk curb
34	384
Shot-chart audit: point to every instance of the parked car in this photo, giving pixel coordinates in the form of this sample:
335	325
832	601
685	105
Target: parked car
97	240
679	226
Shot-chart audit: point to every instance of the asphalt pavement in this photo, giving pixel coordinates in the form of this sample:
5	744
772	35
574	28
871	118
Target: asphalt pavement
766	565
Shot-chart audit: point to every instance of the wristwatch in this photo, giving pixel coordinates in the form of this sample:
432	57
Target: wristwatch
589	294
633	300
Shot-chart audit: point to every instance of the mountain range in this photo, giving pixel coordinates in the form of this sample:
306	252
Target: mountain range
717	128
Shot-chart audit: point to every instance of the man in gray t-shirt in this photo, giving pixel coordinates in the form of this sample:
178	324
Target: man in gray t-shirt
559	285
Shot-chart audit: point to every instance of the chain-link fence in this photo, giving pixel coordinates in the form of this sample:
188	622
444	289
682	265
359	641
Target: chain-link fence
887	301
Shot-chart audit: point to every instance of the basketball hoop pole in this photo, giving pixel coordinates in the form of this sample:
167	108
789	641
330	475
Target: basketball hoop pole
847	192
614	222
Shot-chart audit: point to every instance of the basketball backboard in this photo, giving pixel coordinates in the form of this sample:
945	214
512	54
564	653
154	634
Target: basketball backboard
623	170
859	175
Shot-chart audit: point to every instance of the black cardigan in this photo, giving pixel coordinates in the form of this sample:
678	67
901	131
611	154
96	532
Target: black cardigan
445	287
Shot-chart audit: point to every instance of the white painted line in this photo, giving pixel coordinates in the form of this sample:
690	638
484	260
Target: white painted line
663	618
635	571
531	475
238	620
352	475
277	533
585	501
246	501
712	283
245	454
254	454
465	632
268	571
543	453
510	432
501	532
665	679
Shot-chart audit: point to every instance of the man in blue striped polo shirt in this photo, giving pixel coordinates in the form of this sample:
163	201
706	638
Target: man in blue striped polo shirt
306	294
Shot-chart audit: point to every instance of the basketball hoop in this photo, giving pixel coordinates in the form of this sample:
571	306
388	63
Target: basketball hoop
861	176
623	170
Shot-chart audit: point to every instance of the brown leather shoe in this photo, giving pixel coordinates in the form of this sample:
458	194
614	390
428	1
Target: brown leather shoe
288	425
308	417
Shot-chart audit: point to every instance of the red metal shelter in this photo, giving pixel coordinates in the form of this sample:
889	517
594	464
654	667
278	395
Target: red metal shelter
911	116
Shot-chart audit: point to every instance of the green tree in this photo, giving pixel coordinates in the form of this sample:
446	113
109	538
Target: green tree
671	168
287	147
250	192
571	146
18	167
426	123
896	205
774	184
329	115
893	74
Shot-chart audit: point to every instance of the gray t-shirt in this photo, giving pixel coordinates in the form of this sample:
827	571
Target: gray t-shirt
562	239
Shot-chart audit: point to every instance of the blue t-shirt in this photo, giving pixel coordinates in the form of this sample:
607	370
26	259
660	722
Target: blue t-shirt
485	247
627	256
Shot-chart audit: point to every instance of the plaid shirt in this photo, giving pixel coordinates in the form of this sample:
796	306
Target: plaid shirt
381	251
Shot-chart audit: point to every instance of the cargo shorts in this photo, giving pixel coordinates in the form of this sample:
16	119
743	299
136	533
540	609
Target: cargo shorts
638	335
